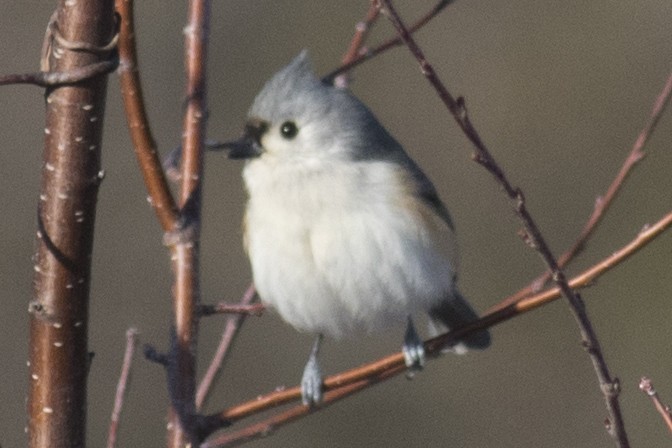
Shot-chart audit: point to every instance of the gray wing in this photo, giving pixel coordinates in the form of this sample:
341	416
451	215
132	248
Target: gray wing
454	311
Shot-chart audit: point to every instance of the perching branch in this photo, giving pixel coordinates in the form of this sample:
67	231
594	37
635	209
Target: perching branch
532	235
346	383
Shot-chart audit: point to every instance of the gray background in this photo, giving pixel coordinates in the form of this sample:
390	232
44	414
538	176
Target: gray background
558	90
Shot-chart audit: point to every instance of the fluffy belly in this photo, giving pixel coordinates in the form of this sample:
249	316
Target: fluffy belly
340	273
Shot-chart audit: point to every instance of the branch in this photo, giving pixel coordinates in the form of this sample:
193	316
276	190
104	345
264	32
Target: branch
266	427
357	43
182	229
532	235
346	383
59	356
122	385
70	77
603	203
50	78
229	333
396	41
186	246
646	386
243	308
138	124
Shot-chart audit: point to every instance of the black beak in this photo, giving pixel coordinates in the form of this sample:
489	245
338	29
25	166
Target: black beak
249	145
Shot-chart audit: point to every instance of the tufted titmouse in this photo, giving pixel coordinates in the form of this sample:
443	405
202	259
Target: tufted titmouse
344	232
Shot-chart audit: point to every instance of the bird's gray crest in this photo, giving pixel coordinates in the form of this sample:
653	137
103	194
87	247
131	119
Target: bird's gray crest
278	100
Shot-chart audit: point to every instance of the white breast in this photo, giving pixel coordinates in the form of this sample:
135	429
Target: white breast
343	246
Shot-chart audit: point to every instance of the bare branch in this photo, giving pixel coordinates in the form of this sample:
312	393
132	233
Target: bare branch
122	385
256	309
59	356
357	43
186	250
231	329
646	386
54	79
391	43
603	203
138	124
532	235
266	427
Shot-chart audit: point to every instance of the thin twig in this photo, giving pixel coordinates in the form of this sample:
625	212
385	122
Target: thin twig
138	124
390	43
53	79
646	386
357	43
603	203
532	235
256	309
122	385
353	380
229	333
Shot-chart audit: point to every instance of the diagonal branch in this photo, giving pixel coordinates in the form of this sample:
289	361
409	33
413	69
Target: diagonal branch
603	203
532	235
646	386
229	333
396	41
356	46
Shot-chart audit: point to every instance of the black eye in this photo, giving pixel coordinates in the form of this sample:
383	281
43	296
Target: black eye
289	130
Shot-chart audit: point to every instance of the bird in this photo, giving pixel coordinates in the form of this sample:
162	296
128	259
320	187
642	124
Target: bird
344	232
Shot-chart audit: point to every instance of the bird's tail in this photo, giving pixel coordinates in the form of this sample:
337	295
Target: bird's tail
455	312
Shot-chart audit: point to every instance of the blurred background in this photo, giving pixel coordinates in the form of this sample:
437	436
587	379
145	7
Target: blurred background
559	92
